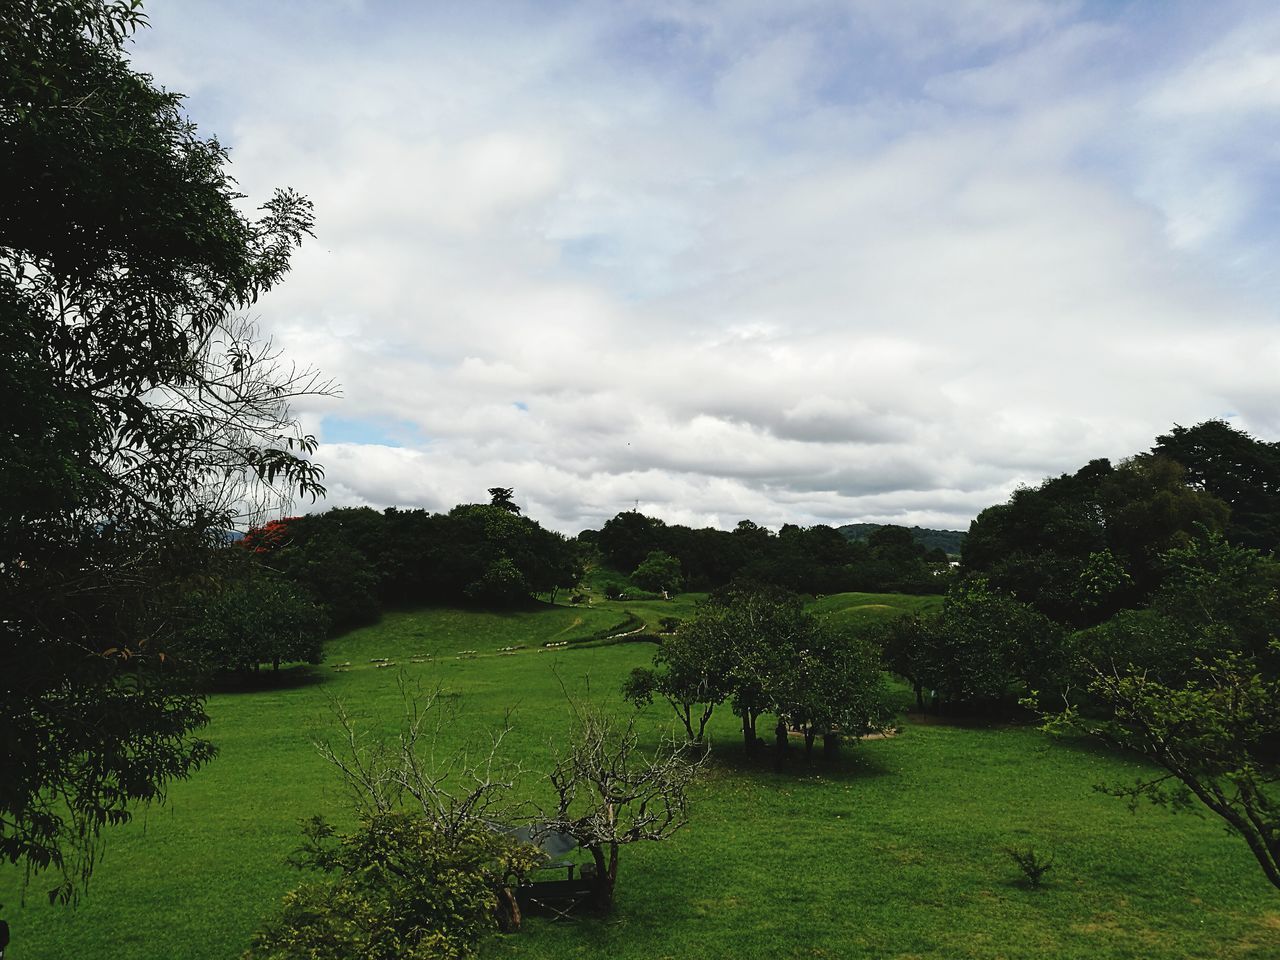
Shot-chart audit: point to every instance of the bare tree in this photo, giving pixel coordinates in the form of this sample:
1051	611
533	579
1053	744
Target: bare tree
611	792
454	787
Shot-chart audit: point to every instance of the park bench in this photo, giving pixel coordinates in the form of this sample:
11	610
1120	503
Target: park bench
558	898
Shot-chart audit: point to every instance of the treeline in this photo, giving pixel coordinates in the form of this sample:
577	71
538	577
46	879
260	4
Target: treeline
1154	566
817	559
948	541
1083	546
285	583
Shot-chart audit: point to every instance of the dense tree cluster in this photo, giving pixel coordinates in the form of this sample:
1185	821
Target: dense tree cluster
815	560
356	561
1136	603
1081	546
759	649
981	652
246	617
1241	471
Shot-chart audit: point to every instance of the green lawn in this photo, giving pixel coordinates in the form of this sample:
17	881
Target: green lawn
893	852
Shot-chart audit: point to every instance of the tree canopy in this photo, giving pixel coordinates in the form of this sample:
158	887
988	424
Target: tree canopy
139	414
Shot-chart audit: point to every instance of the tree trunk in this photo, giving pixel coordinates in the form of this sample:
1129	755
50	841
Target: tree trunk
702	724
809	734
919	697
780	743
606	879
830	745
507	911
748	733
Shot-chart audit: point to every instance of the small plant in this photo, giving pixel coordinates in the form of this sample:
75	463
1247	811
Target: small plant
1033	865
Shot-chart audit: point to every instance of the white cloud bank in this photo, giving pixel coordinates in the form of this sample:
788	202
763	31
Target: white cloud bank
810	262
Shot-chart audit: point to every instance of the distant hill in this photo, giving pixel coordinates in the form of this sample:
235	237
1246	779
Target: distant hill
949	540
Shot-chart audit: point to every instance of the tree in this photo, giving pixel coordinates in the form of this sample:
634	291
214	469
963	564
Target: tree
628	538
692	669
834	689
1048	542
903	648
138	416
249	618
1238	469
659	572
395	888
980	651
501	497
757	629
1207	714
332	571
986	646
610	793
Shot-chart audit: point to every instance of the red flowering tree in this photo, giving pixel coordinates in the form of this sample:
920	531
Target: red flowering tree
268	537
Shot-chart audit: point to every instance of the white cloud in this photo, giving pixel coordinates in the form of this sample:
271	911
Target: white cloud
800	263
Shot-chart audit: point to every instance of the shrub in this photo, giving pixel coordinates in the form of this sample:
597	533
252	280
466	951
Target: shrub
397	888
1033	865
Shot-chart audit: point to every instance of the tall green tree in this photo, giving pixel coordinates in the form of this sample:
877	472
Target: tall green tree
658	571
1194	688
1053	545
138	414
1240	470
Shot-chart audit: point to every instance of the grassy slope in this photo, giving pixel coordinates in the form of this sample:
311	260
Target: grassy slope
893	853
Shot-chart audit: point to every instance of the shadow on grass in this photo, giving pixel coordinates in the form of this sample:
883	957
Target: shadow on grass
962	721
287	678
851	763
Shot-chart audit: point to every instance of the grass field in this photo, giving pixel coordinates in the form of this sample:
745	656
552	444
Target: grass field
895	851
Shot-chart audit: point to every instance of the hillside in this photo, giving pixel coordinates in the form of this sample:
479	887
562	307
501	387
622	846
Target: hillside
910	830
949	540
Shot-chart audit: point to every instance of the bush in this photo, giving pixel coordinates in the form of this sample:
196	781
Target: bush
1033	865
397	888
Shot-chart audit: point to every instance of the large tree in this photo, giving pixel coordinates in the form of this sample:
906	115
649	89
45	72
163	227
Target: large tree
138	414
1238	469
1197	693
1051	545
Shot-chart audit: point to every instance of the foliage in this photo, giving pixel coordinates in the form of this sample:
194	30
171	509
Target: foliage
1239	470
1033	865
247	618
978	652
814	559
948	541
1204	709
760	649
610	793
501	497
337	574
692	667
396	888
139	415
658	572
357	561
833	688
1082	546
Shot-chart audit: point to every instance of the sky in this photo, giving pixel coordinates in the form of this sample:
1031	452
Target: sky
799	262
